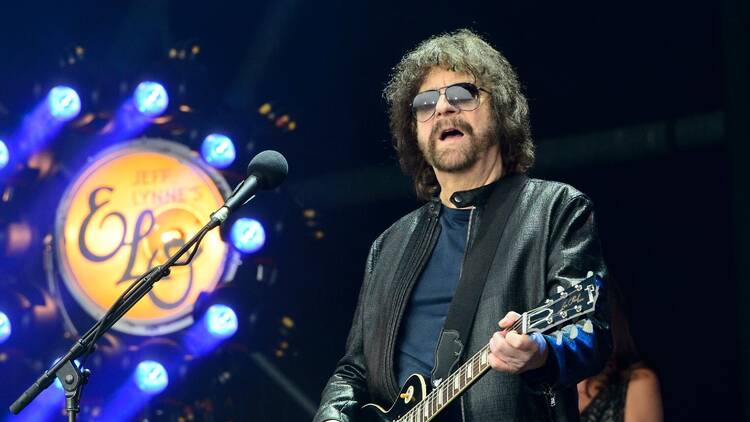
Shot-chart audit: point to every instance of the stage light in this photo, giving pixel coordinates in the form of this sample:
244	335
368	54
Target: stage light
218	150
4	154
229	313
5	327
151	98
151	377
264	109
15	238
64	103
153	364
221	321
248	235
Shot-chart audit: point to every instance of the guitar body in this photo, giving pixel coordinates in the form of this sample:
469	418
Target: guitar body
414	390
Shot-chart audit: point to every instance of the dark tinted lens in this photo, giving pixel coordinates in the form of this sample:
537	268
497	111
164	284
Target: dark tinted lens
424	104
464	96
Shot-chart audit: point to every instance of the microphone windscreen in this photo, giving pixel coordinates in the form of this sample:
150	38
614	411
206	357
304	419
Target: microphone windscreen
270	167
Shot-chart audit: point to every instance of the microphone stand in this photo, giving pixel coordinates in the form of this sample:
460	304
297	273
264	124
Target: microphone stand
70	375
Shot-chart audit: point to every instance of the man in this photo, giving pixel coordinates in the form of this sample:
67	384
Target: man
460	127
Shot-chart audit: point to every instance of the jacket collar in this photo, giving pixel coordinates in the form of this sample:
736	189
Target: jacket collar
478	196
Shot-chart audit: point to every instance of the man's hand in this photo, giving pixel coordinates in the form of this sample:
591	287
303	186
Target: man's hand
515	353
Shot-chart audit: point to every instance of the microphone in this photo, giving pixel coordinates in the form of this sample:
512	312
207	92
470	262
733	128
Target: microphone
266	171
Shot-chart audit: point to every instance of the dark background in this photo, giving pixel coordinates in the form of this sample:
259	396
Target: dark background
636	104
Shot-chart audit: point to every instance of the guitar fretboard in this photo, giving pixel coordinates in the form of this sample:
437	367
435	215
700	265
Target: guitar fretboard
452	386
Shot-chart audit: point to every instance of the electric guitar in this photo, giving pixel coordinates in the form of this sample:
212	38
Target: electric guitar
416	403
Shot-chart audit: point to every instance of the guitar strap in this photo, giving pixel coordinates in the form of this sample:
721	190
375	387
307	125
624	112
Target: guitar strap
476	268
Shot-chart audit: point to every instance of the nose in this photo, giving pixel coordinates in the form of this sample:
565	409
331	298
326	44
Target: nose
443	107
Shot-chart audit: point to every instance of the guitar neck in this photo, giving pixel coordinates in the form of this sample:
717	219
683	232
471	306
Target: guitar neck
455	384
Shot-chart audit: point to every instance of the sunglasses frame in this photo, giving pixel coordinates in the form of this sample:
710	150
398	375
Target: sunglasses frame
442	92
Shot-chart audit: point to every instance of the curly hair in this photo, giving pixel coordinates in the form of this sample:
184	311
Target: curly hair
459	51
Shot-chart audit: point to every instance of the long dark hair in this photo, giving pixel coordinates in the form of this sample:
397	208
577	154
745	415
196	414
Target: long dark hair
460	51
625	357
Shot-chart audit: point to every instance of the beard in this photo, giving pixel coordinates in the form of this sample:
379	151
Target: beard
461	155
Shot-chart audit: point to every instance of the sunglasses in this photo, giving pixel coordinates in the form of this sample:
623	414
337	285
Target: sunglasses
464	96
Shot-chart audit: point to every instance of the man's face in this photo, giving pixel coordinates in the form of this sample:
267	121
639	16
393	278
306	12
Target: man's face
455	140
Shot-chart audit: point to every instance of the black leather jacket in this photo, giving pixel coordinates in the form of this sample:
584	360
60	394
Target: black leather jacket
549	240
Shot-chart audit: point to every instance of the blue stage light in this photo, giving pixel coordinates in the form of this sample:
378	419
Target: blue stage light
5	328
151	98
4	154
218	150
221	321
248	235
151	377
64	103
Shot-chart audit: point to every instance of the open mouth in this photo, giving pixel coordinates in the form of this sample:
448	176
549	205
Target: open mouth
450	134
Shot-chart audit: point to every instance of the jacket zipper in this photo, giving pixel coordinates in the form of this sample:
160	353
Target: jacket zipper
549	394
463	260
468	240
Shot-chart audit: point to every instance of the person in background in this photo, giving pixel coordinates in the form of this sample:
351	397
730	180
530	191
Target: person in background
627	390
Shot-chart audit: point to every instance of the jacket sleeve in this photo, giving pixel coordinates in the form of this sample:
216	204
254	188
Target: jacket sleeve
579	351
346	391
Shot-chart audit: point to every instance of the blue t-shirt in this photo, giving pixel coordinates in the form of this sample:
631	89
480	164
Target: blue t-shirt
431	297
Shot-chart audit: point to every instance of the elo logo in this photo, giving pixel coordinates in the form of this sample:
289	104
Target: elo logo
129	210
